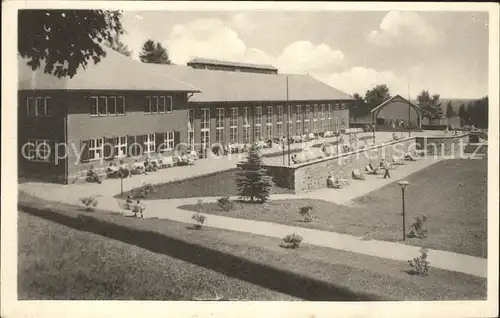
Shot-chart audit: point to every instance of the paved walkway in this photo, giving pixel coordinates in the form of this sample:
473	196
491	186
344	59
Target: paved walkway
168	209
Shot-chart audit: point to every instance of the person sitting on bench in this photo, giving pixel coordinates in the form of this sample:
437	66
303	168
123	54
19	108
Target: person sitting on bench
333	183
370	169
92	176
409	157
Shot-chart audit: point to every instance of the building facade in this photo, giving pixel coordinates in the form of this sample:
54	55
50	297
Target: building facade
67	125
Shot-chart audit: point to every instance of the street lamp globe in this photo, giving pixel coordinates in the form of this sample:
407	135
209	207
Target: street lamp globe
403	183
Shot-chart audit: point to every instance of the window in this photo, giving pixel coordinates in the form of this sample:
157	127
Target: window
38	150
159	104
279	121
337	106
120	146
168	139
107	105
37	106
306	119
269	122
258	123
205	128
191	128
219	125
344	106
149	143
102	106
322	118
298	119
337	124
330	111
120	105
315	119
233	126
246	125
96	149
289	116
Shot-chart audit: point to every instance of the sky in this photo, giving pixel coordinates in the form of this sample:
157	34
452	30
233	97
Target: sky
443	52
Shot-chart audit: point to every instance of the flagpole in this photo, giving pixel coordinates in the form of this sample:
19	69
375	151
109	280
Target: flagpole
409	111
288	121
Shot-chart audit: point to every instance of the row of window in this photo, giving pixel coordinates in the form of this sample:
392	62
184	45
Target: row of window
305	126
117	147
115	106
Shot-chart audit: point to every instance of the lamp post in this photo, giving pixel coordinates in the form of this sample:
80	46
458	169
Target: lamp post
403	185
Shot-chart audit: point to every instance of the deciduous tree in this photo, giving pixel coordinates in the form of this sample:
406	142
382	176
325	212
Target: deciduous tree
65	40
430	106
376	96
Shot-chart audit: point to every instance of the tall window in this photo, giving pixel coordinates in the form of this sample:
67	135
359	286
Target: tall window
337	106
246	125
315	119
38	150
269	122
205	128
344	106
298	119
37	106
219	125
258	123
307	119
279	121
289	120
191	128
120	146
107	105
233	126
149	143
337	128
159	104
96	148
169	140
322	114
330	111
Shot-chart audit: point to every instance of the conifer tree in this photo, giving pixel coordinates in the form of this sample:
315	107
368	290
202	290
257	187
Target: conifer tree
253	182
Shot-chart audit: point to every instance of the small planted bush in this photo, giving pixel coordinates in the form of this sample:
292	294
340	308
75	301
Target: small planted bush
147	190
419	227
420	264
306	213
199	219
225	204
291	241
89	202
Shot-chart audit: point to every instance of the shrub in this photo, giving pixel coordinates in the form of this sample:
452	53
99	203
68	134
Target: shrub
305	212
225	204
147	190
89	202
199	219
419	227
420	263
291	241
253	182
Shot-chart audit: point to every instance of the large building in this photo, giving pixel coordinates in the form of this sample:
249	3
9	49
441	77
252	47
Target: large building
107	108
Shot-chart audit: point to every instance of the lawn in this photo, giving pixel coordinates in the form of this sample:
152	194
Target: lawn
451	193
160	259
58	262
216	184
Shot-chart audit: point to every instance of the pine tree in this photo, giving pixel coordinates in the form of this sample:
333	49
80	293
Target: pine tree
450	112
254	183
154	53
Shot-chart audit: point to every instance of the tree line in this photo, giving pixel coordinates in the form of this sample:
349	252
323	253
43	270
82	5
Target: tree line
475	113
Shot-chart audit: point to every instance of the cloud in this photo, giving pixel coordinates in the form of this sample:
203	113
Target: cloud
303	56
403	28
211	38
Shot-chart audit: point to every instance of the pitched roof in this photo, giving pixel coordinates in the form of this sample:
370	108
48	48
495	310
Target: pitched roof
229	63
242	87
391	100
113	72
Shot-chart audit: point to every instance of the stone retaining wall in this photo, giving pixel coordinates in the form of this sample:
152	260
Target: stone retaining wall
444	146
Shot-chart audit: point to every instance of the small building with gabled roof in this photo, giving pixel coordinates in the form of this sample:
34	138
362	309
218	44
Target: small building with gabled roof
398	111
